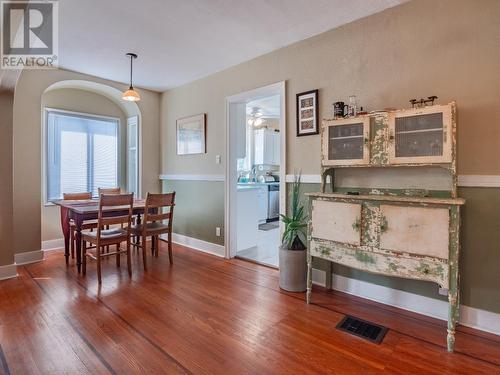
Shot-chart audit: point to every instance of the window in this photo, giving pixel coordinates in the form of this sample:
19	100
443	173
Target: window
81	153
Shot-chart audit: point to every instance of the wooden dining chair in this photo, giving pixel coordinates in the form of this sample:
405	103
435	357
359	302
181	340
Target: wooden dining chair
159	208
109	204
91	224
109	191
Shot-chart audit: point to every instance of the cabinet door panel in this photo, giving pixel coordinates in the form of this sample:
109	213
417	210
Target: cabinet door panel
346	141
336	221
415	230
422	135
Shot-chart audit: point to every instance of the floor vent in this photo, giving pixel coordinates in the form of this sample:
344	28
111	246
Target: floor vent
362	328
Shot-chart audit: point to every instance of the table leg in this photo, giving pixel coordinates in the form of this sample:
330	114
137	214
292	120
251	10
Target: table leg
78	238
65	229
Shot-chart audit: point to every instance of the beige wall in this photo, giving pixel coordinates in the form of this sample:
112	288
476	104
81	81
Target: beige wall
448	48
27	155
85	102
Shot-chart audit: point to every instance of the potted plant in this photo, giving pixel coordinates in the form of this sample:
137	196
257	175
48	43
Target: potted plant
293	251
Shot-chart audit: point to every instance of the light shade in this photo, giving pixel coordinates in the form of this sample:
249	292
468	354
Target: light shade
131	95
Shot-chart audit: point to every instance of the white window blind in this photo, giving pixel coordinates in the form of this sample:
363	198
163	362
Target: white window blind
81	153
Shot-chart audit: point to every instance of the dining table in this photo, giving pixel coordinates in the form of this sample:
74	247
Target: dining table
80	211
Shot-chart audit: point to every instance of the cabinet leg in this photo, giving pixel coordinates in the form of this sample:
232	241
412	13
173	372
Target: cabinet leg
453	315
309	277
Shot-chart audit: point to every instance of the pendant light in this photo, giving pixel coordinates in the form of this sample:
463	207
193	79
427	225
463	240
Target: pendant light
131	94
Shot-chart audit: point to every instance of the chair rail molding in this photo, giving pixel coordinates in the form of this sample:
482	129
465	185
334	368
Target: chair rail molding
192	177
465	180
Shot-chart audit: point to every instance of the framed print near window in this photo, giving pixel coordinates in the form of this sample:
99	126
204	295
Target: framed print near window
191	135
307	113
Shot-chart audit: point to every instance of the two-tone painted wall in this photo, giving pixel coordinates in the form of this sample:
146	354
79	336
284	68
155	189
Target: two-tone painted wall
448	48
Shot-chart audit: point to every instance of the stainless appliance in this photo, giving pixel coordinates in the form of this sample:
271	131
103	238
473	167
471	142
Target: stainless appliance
273	210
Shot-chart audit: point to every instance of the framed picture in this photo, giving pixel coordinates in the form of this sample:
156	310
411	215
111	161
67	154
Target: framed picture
191	135
307	113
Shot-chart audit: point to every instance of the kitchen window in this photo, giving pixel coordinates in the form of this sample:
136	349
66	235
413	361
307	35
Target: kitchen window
81	153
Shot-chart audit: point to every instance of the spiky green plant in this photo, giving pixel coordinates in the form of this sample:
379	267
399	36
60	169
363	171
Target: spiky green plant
294	235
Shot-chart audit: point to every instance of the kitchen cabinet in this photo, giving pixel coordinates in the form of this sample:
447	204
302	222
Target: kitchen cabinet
262	198
267	147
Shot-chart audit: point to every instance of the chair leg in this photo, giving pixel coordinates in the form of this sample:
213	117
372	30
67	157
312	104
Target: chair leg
129	261
152	245
144	252
72	241
117	255
84	260
98	253
170	255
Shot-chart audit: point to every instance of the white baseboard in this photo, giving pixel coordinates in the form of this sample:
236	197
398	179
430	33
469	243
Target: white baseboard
469	316
8	272
28	257
58	243
200	245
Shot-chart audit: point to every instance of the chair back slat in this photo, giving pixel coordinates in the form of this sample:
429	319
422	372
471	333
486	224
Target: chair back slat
109	191
159	207
77	196
114	220
119	202
159	217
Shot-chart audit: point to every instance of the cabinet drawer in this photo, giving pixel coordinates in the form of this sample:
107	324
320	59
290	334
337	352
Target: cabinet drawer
416	230
336	221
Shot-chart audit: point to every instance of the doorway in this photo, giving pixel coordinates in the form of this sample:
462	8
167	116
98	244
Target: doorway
255	173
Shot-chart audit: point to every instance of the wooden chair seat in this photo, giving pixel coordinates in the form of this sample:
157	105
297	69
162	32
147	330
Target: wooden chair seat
106	234
155	228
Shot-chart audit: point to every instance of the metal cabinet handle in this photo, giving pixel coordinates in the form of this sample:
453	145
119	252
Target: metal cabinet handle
356	225
384	225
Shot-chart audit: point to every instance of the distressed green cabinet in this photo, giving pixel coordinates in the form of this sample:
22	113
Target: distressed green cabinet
405	233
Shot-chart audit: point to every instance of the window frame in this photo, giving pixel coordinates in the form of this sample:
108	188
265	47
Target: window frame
45	114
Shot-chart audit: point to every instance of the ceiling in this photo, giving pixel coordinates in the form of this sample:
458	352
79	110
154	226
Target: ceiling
269	107
181	41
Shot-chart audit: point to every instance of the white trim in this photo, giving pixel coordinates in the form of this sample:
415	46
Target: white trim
55	244
28	257
469	180
192	177
8	272
278	88
469	316
476	180
200	245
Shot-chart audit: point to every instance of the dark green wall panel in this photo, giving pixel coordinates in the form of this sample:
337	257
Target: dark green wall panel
199	209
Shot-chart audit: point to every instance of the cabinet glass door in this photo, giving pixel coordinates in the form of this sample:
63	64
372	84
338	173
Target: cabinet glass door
345	142
421	136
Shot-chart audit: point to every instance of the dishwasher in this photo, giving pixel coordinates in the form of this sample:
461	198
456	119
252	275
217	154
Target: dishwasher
273	209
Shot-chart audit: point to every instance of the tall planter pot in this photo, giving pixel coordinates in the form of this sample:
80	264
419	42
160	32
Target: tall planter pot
293	269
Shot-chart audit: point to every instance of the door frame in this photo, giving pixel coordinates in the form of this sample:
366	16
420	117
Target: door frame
278	88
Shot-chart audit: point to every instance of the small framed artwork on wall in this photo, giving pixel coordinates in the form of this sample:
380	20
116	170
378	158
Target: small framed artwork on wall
191	135
307	113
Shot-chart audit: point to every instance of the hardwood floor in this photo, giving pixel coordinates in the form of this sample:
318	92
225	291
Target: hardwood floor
206	315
